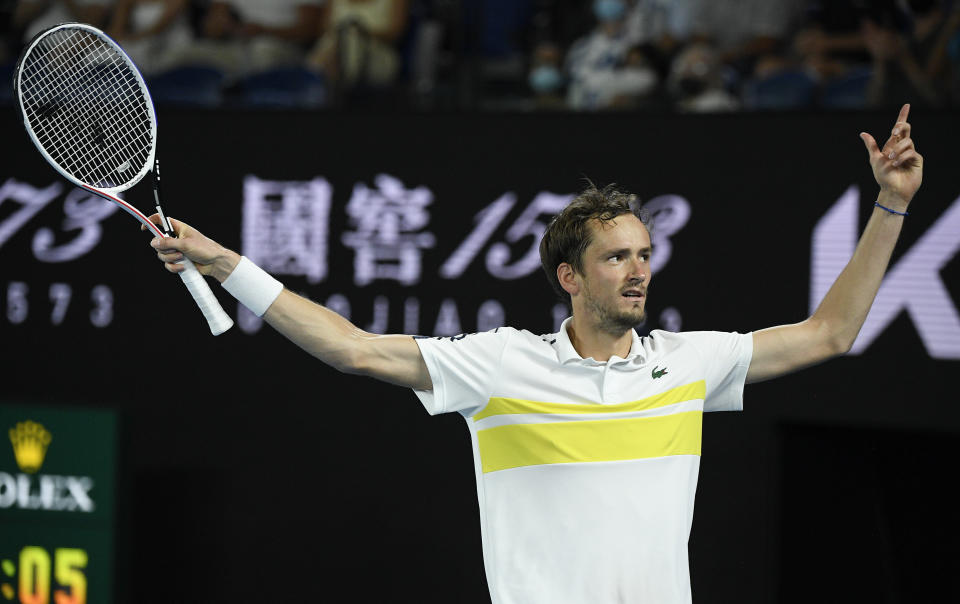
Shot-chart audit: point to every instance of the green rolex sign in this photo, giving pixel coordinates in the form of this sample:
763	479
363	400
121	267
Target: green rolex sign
57	474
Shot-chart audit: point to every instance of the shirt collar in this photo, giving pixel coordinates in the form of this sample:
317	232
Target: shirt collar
566	353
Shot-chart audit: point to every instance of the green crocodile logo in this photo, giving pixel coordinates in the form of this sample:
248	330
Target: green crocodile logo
658	374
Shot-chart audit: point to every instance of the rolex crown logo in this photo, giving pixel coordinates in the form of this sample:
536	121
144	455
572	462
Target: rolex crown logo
30	441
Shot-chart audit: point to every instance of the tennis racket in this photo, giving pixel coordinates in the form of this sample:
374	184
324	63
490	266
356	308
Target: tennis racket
89	113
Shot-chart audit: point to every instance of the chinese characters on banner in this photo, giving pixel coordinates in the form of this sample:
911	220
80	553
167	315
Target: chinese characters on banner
286	224
286	230
388	239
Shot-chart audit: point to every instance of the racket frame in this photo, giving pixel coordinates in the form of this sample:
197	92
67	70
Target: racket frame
110	193
218	320
18	78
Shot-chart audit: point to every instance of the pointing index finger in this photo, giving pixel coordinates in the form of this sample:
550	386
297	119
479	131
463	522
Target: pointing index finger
904	112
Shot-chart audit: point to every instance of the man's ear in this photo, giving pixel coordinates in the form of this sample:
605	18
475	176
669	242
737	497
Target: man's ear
568	278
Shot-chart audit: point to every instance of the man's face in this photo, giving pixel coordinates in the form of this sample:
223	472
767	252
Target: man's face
616	275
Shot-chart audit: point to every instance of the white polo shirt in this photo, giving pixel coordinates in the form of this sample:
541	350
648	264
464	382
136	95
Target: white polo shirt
586	471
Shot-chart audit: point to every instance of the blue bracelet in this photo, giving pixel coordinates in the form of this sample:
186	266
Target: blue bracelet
891	211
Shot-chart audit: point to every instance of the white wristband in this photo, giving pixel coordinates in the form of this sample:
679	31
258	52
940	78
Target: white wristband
252	286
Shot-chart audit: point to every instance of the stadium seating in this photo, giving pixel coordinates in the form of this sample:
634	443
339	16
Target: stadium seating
289	87
784	90
848	91
191	85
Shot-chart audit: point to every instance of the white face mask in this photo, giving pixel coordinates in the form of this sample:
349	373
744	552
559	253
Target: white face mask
609	10
545	78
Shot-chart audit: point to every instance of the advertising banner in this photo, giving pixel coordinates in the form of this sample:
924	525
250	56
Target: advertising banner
429	225
57	497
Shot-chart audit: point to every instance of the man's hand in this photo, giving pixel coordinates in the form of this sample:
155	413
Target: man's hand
897	167
210	257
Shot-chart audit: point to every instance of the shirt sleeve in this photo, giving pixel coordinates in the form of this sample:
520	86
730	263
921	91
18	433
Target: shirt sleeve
726	359
462	369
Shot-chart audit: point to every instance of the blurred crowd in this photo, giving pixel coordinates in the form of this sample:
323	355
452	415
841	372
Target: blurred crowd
525	55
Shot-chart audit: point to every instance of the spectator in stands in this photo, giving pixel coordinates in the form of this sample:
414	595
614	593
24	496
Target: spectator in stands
696	81
153	32
744	31
34	16
357	42
248	36
912	65
638	79
546	77
596	63
661	28
829	42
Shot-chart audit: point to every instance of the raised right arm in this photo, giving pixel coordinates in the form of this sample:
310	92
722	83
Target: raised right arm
395	359
337	342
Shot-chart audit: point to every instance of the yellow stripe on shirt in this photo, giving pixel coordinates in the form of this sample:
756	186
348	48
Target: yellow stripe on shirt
510	406
517	445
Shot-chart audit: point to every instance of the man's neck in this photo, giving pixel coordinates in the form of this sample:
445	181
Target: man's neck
589	341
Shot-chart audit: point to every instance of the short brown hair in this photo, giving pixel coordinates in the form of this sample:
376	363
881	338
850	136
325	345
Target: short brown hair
568	235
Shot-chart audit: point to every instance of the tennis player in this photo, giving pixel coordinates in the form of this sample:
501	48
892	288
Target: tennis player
587	441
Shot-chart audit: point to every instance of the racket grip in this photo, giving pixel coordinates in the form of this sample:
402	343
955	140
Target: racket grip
218	320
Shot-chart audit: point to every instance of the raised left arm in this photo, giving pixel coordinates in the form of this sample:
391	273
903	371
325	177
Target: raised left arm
834	326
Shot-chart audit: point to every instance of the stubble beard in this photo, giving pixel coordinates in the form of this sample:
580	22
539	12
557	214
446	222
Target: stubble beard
611	320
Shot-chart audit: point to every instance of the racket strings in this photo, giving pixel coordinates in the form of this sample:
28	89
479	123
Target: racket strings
112	90
75	132
84	103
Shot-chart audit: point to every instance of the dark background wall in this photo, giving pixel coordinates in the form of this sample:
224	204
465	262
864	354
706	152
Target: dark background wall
251	472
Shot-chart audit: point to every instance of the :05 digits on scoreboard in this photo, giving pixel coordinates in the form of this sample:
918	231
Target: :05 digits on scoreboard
36	578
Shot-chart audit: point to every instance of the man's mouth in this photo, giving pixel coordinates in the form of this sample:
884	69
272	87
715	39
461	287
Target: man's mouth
634	293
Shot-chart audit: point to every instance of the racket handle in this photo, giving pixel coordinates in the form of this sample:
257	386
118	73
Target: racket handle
217	319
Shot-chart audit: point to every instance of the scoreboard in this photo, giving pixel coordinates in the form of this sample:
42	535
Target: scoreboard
57	476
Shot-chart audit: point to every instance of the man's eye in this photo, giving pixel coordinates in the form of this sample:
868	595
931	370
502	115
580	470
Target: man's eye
615	257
